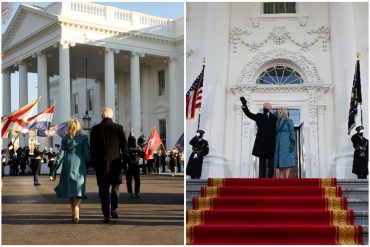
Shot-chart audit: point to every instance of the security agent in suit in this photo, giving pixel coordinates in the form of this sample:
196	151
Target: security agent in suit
361	155
108	146
135	153
200	149
141	143
264	145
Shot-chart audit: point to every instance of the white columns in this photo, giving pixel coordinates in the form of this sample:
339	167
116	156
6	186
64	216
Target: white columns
135	94
6	92
64	83
175	116
343	54
23	84
216	47
109	79
42	77
323	161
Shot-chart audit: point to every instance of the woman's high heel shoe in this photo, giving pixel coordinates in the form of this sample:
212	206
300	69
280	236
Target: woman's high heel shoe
76	216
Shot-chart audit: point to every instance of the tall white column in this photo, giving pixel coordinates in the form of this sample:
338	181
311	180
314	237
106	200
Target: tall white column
6	92
216	47
23	84
109	79
135	93
42	77
323	162
64	83
175	116
343	45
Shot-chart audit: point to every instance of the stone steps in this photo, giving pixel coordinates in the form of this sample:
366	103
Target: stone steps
356	191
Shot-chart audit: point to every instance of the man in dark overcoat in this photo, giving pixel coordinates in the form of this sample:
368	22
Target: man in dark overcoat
264	145
361	155
200	149
109	152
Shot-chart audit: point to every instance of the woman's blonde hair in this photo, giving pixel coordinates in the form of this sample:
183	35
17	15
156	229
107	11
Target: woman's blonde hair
74	128
284	110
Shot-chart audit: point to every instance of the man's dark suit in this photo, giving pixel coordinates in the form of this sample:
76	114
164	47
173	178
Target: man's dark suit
264	145
109	152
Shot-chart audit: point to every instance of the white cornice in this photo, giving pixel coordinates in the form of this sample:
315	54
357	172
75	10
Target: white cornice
305	87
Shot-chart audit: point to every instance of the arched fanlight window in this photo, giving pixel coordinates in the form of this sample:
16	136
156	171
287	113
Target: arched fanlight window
280	75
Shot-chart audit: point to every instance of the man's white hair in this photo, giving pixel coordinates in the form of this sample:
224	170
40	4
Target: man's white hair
107	113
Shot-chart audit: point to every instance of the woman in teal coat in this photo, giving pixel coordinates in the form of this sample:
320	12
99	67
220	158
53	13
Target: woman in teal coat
284	157
74	155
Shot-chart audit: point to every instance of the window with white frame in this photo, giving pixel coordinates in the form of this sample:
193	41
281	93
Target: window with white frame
280	75
75	103
279	8
162	130
90	100
161	83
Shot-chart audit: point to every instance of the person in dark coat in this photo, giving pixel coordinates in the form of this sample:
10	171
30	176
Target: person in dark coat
264	145
163	156
172	163
51	156
157	161
361	155
141	143
109	152
200	149
135	153
38	156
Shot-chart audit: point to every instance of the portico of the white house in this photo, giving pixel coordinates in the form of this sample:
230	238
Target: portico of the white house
90	56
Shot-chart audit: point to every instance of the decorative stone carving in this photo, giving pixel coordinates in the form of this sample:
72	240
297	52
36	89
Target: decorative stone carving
280	35
248	71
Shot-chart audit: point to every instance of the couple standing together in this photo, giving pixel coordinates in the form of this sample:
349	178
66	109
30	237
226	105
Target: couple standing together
108	154
275	140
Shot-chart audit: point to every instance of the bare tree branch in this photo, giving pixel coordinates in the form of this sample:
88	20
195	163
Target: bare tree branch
6	11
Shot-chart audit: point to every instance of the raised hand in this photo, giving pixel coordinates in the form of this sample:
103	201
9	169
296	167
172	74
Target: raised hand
243	100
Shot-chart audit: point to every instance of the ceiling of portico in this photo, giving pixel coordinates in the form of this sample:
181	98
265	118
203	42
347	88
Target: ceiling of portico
95	61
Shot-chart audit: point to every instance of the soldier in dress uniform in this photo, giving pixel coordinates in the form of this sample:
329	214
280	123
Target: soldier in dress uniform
172	162
200	149
361	155
163	157
135	153
38	156
141	143
157	161
51	155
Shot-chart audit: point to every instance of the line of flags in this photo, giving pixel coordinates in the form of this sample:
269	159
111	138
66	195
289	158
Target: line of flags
20	120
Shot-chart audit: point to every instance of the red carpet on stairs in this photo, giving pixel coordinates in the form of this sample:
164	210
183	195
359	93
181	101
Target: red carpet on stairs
271	211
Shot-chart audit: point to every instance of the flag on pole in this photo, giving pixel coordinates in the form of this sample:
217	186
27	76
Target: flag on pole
153	143
17	120
55	130
180	143
194	96
41	120
356	97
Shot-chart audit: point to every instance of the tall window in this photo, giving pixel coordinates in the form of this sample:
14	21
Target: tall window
280	75
162	130
161	83
75	103
90	100
279	8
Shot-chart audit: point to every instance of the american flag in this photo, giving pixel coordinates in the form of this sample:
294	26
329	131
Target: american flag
194	96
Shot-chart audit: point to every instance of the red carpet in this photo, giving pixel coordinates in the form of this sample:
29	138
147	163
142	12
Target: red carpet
271	211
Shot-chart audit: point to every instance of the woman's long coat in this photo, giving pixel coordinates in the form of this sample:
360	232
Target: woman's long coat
73	156
285	143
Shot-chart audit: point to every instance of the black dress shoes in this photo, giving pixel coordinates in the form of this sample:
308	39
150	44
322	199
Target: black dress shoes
106	220
114	214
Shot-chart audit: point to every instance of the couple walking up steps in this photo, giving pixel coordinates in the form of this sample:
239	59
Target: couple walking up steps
108	154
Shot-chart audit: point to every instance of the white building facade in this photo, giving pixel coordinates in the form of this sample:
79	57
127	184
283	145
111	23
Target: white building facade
88	56
312	46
